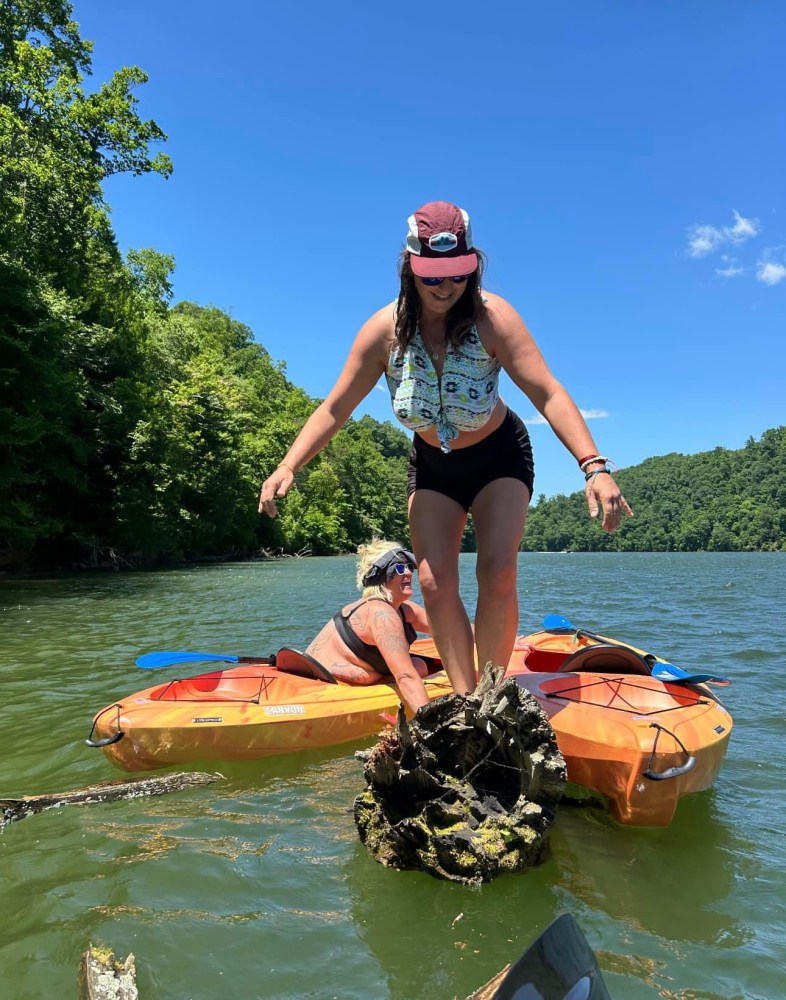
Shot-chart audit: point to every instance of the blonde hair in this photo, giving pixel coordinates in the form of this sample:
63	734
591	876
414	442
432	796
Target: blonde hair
367	556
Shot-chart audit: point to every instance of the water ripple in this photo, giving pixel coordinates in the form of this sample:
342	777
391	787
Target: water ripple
210	888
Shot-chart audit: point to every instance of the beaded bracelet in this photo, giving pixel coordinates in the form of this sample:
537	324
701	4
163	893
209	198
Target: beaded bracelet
596	472
590	461
586	459
283	465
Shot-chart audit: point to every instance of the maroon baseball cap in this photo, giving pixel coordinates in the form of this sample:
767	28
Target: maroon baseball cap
439	241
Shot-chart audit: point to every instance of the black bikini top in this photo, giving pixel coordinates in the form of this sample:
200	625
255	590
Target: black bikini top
364	650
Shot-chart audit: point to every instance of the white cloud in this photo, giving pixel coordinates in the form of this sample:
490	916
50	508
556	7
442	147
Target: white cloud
771	266
731	271
705	239
770	273
743	229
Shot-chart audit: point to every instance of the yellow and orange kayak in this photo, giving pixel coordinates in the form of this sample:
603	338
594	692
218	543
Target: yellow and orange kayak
636	741
242	713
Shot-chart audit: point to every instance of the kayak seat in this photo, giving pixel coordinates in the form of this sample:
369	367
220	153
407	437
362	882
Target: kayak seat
605	659
291	661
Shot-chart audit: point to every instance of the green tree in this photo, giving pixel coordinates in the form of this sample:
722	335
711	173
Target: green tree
71	317
151	273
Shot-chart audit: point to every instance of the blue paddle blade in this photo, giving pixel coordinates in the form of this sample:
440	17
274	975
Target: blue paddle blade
553	622
166	658
668	672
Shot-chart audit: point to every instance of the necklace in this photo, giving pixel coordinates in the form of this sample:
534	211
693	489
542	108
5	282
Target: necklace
432	350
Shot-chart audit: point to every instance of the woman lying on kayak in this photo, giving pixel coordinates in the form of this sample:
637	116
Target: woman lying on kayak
368	640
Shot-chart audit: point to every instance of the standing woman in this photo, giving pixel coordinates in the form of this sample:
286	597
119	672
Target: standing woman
441	346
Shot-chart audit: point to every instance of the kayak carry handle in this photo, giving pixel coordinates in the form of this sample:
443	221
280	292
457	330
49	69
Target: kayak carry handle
109	740
105	742
670	772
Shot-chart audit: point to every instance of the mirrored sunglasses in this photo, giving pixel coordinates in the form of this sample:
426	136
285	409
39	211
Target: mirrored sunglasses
399	569
457	279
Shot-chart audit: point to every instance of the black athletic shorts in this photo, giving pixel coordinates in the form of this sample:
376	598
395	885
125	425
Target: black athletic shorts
461	474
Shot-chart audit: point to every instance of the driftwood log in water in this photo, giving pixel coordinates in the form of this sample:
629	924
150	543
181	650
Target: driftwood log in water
104	791
468	788
102	978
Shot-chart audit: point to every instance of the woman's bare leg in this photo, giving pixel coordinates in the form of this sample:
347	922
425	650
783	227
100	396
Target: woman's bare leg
499	514
436	525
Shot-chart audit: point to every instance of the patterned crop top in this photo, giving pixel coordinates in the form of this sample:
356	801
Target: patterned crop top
463	400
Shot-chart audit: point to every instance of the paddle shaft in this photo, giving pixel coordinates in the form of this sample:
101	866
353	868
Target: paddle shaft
665	671
570	627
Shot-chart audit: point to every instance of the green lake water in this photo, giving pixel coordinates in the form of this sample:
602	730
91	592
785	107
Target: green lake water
257	886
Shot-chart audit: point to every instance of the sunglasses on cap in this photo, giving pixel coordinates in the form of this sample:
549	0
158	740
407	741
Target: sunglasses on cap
457	279
394	562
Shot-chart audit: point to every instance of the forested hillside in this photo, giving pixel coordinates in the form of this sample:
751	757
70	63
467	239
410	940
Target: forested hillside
131	432
717	501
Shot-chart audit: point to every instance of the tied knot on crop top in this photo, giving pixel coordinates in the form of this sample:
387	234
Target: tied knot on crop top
464	397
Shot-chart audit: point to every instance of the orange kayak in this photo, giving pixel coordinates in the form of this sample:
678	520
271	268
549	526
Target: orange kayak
636	741
242	713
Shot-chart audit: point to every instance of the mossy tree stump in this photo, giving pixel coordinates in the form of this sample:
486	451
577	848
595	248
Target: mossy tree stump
468	788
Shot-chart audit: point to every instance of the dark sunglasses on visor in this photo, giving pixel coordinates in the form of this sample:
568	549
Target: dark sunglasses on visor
395	562
457	279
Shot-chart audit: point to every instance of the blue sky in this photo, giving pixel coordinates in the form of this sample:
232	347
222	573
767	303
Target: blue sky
622	163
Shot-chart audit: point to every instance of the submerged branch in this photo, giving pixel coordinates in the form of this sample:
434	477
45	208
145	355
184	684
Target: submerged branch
104	791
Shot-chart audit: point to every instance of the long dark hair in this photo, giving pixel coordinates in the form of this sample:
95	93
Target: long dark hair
462	316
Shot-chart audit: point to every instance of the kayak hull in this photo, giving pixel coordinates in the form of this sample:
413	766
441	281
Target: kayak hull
640	747
637	742
243	713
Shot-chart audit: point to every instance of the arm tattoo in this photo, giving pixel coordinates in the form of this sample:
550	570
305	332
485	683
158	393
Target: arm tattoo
388	632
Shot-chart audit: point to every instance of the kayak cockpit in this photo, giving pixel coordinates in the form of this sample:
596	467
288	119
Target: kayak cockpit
599	658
